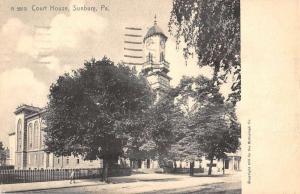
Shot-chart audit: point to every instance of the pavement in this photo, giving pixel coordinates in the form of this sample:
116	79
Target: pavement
137	183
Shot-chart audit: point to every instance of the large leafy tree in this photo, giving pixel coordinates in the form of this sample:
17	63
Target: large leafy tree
212	129
211	29
90	111
165	119
185	146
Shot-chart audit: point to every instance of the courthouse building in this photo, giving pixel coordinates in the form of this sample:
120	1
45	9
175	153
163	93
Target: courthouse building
27	144
27	138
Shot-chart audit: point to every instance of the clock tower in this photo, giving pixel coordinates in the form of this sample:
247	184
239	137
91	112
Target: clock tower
155	67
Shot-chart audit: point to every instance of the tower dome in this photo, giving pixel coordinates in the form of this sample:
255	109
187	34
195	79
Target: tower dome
155	30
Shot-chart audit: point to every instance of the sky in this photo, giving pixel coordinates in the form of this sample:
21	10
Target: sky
31	57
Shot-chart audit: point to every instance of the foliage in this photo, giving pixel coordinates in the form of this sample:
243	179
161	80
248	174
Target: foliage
3	153
89	111
211	29
155	136
212	129
166	118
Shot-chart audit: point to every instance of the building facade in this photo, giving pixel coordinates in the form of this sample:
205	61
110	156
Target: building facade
28	147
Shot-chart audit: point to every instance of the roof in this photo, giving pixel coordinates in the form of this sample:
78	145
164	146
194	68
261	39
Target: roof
154	30
28	108
35	114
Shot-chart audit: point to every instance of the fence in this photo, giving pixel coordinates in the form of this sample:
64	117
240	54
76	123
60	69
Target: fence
27	176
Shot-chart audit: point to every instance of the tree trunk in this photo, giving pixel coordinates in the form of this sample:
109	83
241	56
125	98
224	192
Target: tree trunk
210	166
223	166
192	168
105	170
175	166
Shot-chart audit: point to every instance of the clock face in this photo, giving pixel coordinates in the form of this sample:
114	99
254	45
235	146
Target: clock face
162	44
149	43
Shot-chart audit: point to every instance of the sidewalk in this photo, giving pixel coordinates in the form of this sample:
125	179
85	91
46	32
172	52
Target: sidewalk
133	183
20	187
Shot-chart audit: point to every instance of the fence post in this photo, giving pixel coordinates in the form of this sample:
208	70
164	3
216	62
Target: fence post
26	176
34	175
6	174
51	174
41	172
23	176
11	178
16	174
47	173
1	176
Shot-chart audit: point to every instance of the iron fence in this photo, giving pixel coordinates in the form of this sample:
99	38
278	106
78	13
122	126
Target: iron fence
27	176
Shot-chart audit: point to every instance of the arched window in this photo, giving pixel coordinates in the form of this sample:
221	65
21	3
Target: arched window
162	56
150	57
42	133
36	134
41	139
19	135
30	136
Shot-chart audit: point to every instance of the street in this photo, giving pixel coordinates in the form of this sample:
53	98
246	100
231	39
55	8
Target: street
161	183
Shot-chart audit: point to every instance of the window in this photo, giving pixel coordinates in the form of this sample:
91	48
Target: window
36	135
30	136
162	56
226	164
67	160
19	135
35	159
58	161
150	57
29	160
77	161
47	160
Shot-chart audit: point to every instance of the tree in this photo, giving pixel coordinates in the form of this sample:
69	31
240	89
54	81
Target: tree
211	29
89	111
165	117
3	154
212	129
185	146
155	136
